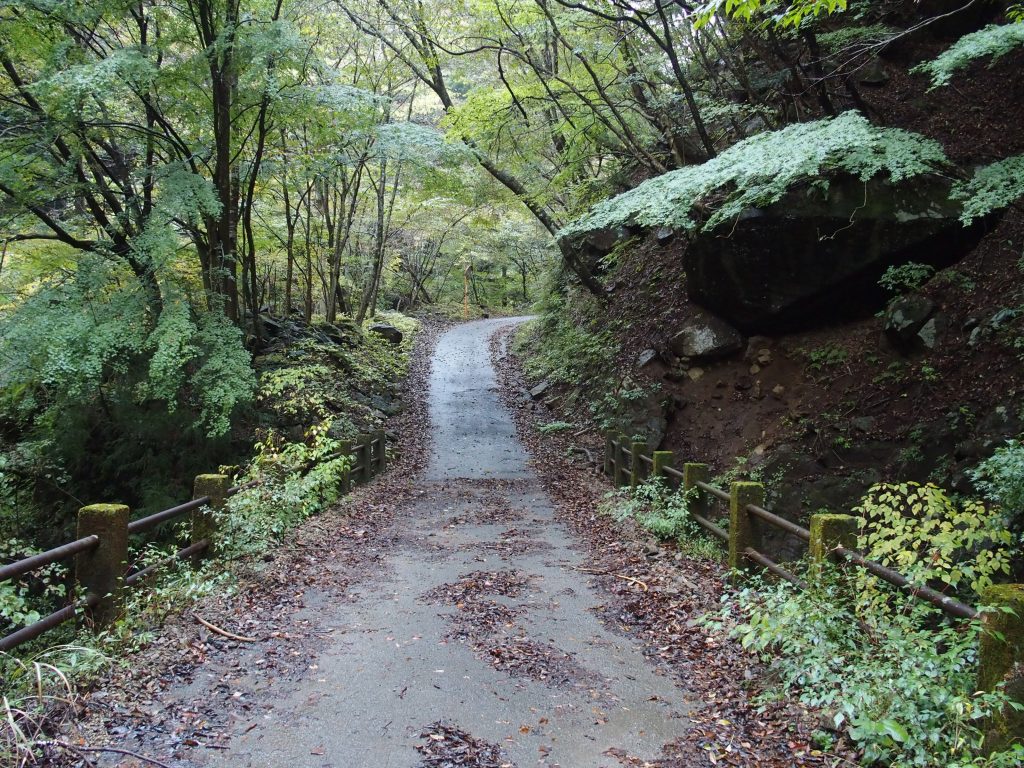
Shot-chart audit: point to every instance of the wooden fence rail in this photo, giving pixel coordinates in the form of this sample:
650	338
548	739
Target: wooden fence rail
829	537
101	573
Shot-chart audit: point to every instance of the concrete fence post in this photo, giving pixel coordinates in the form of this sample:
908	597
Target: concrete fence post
345	449
382	451
744	531
662	459
700	502
636	464
830	531
203	521
1001	661
609	452
366	457
620	460
101	571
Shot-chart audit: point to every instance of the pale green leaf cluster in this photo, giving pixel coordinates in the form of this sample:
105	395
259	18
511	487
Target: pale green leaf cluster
921	532
991	188
781	14
903	692
88	337
760	170
992	42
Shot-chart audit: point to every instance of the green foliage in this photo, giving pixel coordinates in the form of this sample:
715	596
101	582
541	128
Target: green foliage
22	600
781	14
760	170
992	187
664	512
825	357
921	532
903	691
850	37
994	41
1001	478
554	426
906	277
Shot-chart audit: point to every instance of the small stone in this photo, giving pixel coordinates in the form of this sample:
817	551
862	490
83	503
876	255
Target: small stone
743	383
755	369
757	390
764	357
646	357
695	373
778	390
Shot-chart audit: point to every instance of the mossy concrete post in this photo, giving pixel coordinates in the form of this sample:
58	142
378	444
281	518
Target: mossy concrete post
609	452
345	449
830	531
636	464
1001	660
204	520
382	450
744	531
100	571
366	457
694	473
662	459
620	461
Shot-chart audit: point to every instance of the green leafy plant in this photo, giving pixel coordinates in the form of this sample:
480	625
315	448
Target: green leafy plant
760	170
904	691
927	536
554	426
906	277
664	512
992	42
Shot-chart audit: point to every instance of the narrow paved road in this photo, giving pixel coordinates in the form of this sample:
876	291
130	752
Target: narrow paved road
478	620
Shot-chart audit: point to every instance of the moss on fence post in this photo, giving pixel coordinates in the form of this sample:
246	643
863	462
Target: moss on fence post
620	460
609	452
829	531
636	464
662	459
100	571
366	457
345	450
744	531
203	521
1001	660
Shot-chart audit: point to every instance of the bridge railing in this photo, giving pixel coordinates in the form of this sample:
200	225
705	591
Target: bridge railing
829	537
100	553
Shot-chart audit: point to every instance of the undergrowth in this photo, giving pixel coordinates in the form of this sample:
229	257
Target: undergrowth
665	512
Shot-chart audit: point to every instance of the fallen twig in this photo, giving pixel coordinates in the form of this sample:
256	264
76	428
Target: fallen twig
223	632
594	572
82	751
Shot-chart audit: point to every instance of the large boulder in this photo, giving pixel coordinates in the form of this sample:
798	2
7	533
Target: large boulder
388	331
909	324
817	254
706	337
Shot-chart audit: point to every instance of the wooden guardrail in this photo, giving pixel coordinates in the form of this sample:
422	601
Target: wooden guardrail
101	574
830	536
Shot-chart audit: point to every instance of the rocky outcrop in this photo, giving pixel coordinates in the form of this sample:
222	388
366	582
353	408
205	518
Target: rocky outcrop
817	254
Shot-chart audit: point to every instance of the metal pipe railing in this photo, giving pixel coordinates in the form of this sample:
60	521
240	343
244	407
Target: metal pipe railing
50	556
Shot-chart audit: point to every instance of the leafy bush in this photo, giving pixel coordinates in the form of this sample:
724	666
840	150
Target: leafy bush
903	692
1001	479
761	169
994	41
992	187
906	277
921	532
664	512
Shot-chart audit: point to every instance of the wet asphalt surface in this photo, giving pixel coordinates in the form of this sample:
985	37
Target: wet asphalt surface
478	619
